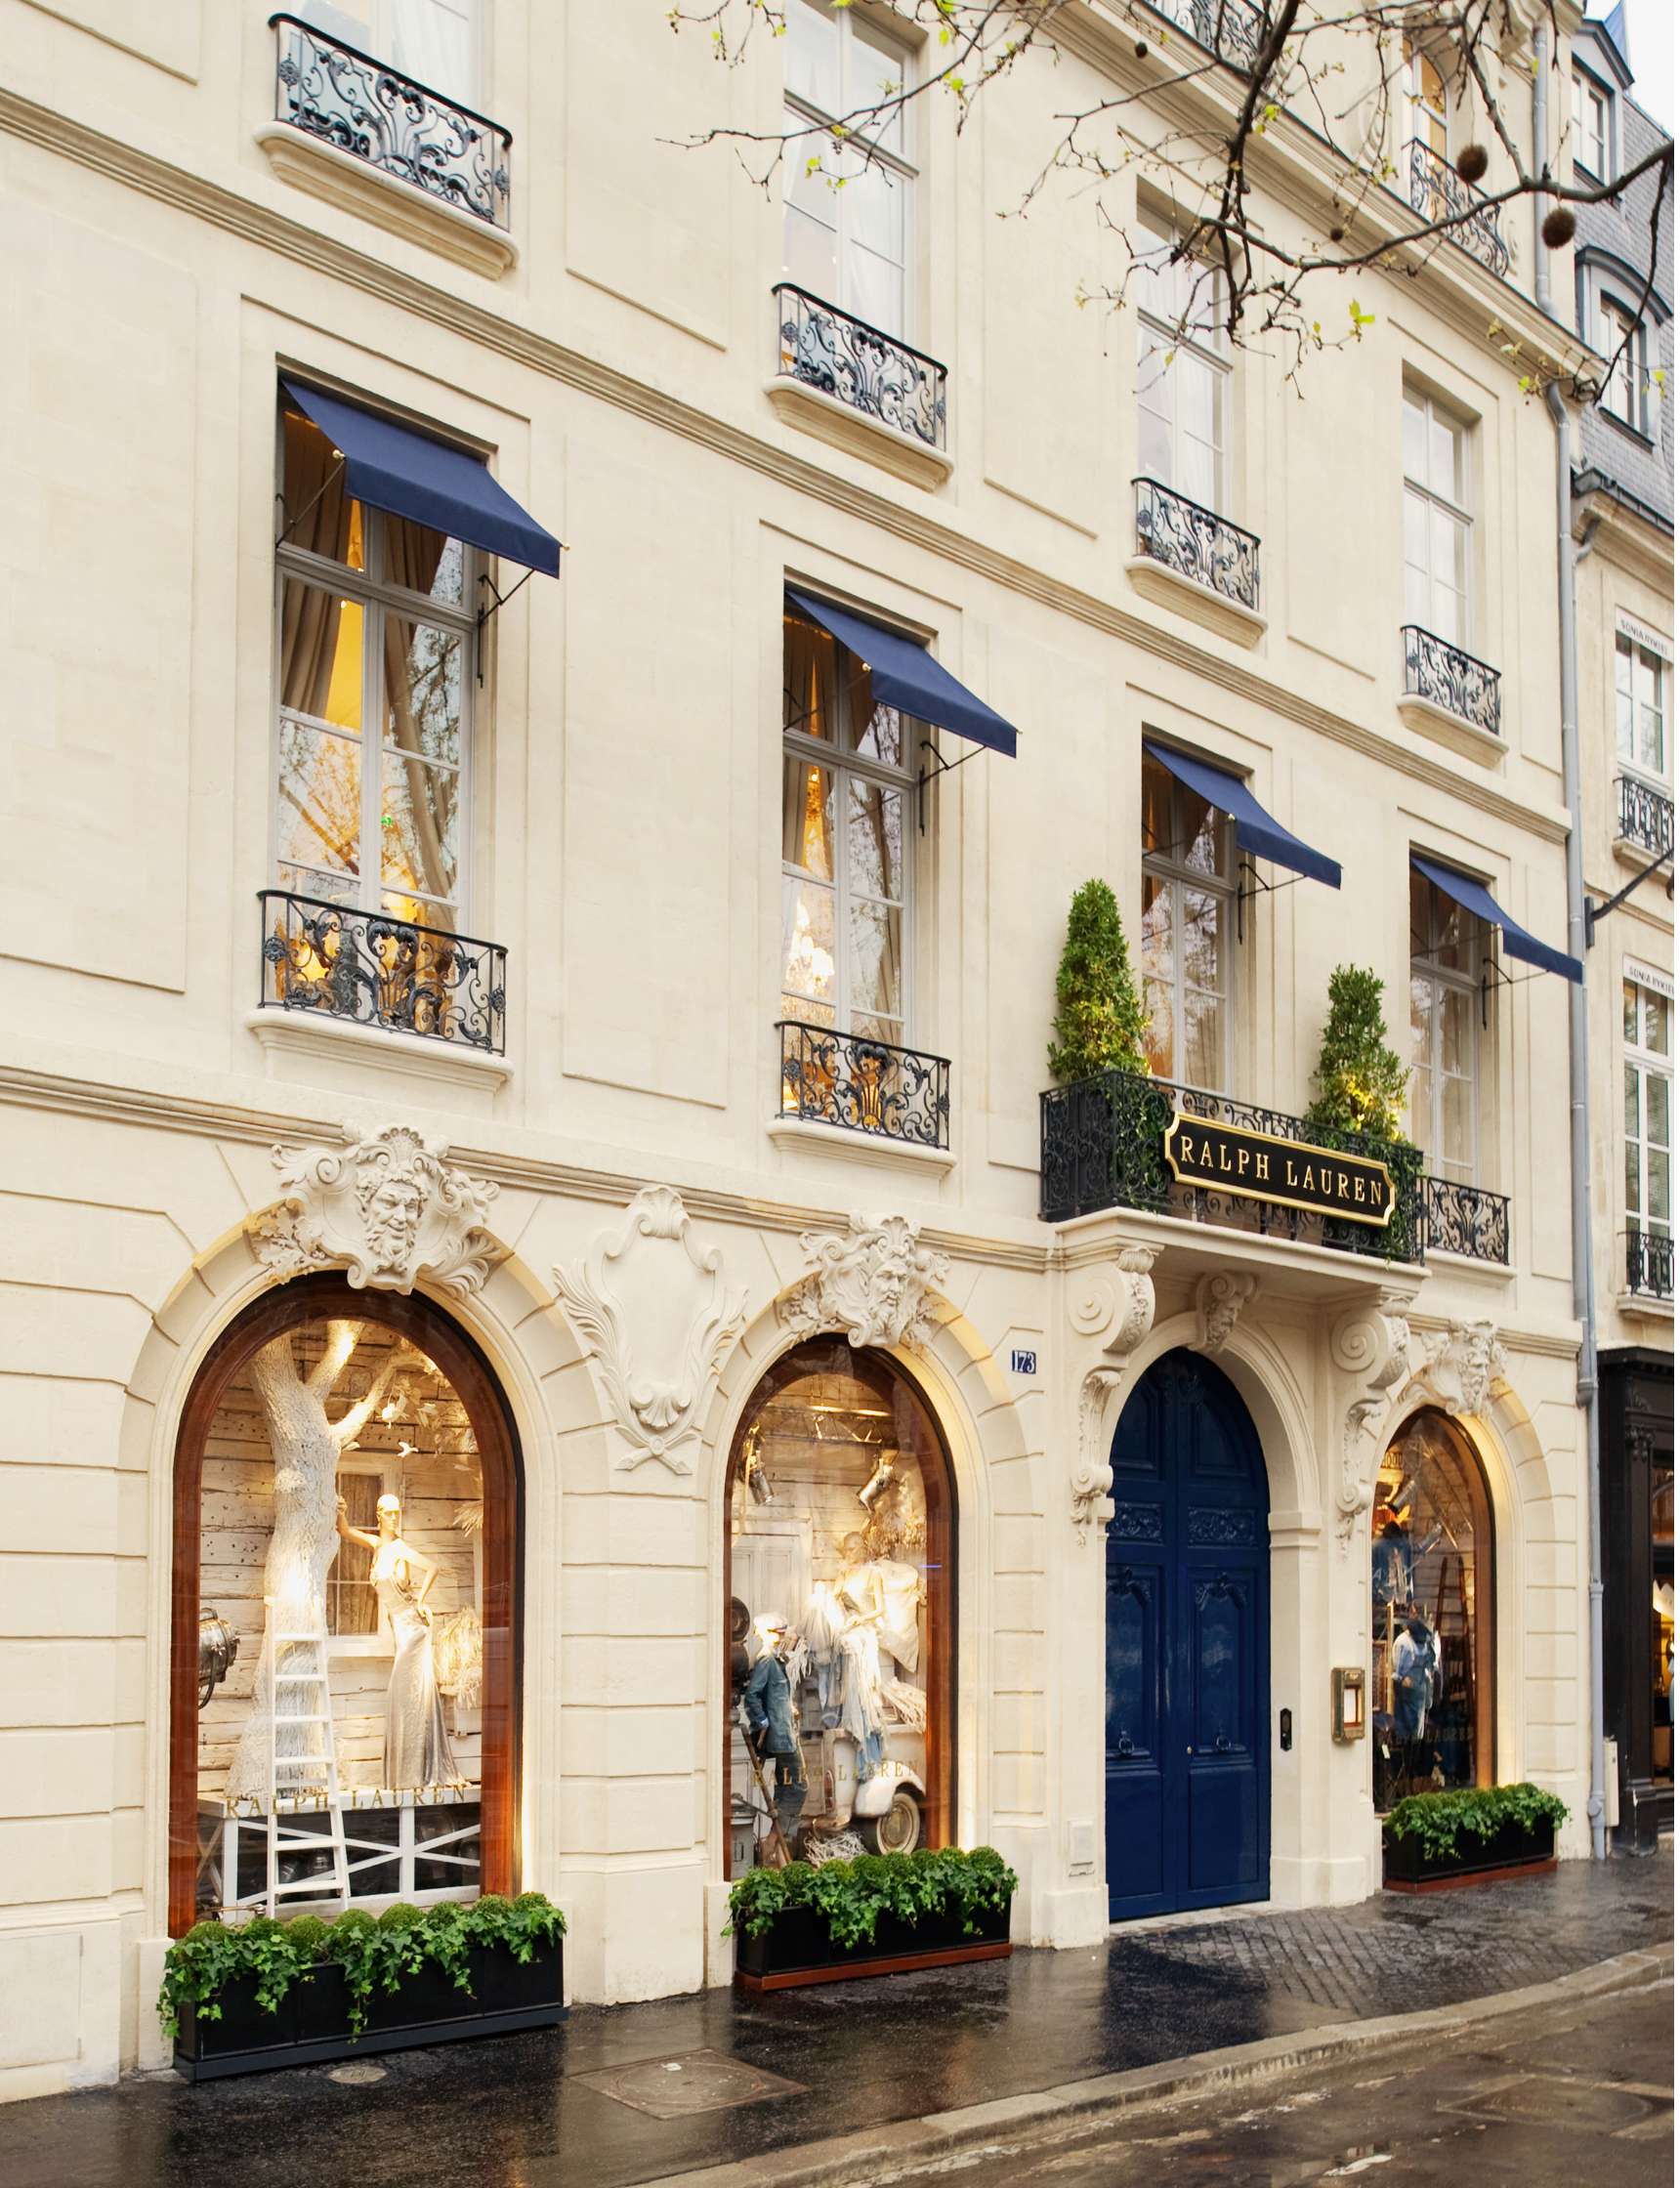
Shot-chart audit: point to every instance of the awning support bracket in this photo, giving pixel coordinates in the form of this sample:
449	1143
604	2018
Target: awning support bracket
498	600
1246	866
1596	912
941	766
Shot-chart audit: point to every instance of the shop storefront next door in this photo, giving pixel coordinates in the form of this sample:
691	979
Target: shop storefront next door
1188	1687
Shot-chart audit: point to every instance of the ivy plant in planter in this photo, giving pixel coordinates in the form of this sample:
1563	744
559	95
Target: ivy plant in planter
270	1994
869	1916
1430	1840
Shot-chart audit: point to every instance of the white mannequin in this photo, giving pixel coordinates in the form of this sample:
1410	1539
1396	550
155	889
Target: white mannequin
417	1748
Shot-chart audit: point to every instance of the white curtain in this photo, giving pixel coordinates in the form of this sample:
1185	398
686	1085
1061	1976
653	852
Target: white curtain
436	42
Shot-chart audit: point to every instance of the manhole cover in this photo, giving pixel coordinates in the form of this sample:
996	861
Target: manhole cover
687	2081
1554	2102
358	2073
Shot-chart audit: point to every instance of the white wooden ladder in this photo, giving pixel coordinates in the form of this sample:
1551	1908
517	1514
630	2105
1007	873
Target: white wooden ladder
300	1696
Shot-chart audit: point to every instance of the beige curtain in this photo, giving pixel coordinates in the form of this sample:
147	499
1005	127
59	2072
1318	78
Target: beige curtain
412	556
318	511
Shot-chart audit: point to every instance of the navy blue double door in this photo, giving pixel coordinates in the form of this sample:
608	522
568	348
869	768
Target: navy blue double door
1189	1676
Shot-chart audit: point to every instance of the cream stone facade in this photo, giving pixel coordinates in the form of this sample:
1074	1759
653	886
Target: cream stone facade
617	1212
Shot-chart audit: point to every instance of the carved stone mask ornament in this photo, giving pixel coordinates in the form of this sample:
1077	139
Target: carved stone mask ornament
386	1207
872	1281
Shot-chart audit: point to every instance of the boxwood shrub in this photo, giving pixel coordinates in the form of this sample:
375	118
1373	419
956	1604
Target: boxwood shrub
1451	1822
850	1897
372	1953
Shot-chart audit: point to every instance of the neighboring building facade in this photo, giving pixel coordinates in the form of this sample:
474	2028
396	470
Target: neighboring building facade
700	1237
1624	515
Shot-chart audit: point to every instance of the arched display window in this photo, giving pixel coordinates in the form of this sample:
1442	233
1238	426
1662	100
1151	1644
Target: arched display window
1432	1614
841	1595
344	1649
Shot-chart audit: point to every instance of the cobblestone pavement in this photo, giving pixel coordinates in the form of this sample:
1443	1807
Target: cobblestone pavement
537	2111
1583	2088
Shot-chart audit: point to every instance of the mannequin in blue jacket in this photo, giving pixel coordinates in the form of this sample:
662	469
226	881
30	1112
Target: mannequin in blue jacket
771	1730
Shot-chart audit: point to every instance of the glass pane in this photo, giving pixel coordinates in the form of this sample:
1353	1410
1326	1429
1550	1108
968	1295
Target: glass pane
878	730
1154	939
1420	934
808	941
874	288
1458	1124
423	690
1157	806
1455	935
1631	1123
320	518
1203	1038
1198	471
1431	1540
1632	1176
1198	398
1657	1093
808	658
1154	446
1657	1012
875	206
419	830
1204	835
1651	740
1657	1186
1457	1031
422	561
877	970
1625	664
808	817
876	72
1159	1045
1630	1014
812	55
1446	458
320	655
1205	940
1422	1110
874	839
810	254
1423	1001
320	799
1413	441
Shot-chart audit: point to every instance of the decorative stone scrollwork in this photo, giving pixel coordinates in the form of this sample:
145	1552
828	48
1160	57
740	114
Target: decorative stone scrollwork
873	1281
1372	1345
655	1314
1114	1304
1220	1299
386	1207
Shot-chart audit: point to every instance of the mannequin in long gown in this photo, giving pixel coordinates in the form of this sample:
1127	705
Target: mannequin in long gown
417	1749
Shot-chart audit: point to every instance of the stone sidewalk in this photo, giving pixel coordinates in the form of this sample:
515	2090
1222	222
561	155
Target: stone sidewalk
627	2095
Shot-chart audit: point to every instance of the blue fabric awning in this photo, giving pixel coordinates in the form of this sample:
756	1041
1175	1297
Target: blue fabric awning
408	474
1476	898
905	674
1256	831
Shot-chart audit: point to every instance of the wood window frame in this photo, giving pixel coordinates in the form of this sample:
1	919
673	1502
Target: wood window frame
432	1331
1460	513
1423	965
1646	1065
1175	874
833	1353
1201	339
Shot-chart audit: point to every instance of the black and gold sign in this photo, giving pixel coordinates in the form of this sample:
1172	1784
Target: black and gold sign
1232	1159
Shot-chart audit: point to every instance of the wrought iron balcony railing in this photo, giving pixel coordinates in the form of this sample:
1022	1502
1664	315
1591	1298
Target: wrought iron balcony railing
1644	815
864	1085
1230	28
824	347
1182	536
366	968
1464	1219
1649	1264
358	105
1102	1145
1439	192
1449	678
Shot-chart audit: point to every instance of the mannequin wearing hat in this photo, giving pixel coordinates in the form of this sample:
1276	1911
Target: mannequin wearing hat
417	1748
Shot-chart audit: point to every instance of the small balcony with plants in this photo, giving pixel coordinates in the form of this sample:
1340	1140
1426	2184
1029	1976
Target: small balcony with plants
352	130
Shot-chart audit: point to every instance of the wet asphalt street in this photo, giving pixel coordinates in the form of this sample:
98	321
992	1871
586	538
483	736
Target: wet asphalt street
1579	2096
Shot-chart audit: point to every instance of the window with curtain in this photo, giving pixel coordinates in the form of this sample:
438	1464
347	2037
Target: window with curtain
1590	115
1184	373
848	229
847	828
1641	720
1190	897
1425	100
435	43
1448	946
374	686
1619	343
1436	454
1647	1092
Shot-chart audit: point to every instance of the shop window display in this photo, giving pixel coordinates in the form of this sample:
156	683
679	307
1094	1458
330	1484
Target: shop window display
1662	1625
341	1563
840	1590
1432	1570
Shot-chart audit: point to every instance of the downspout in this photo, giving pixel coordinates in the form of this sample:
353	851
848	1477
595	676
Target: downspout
1581	1142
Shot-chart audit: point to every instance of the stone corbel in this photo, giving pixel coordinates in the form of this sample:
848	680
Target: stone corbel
386	1207
1220	1299
1372	1345
654	1315
1115	1307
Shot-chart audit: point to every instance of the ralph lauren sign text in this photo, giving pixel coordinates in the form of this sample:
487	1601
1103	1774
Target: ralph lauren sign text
1230	1158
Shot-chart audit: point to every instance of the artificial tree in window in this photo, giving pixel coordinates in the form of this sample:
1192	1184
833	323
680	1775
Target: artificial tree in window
1099	1023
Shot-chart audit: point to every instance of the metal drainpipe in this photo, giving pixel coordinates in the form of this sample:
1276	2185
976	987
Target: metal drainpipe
1580	1141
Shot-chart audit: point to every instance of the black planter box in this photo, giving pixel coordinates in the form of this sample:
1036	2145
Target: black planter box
796	1948
1513	1850
313	2022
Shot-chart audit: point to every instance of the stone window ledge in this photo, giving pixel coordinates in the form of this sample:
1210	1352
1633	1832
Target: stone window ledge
1470	1266
1216	610
351	183
1638	856
1636	1303
304	1041
843	427
795	1132
1452	729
